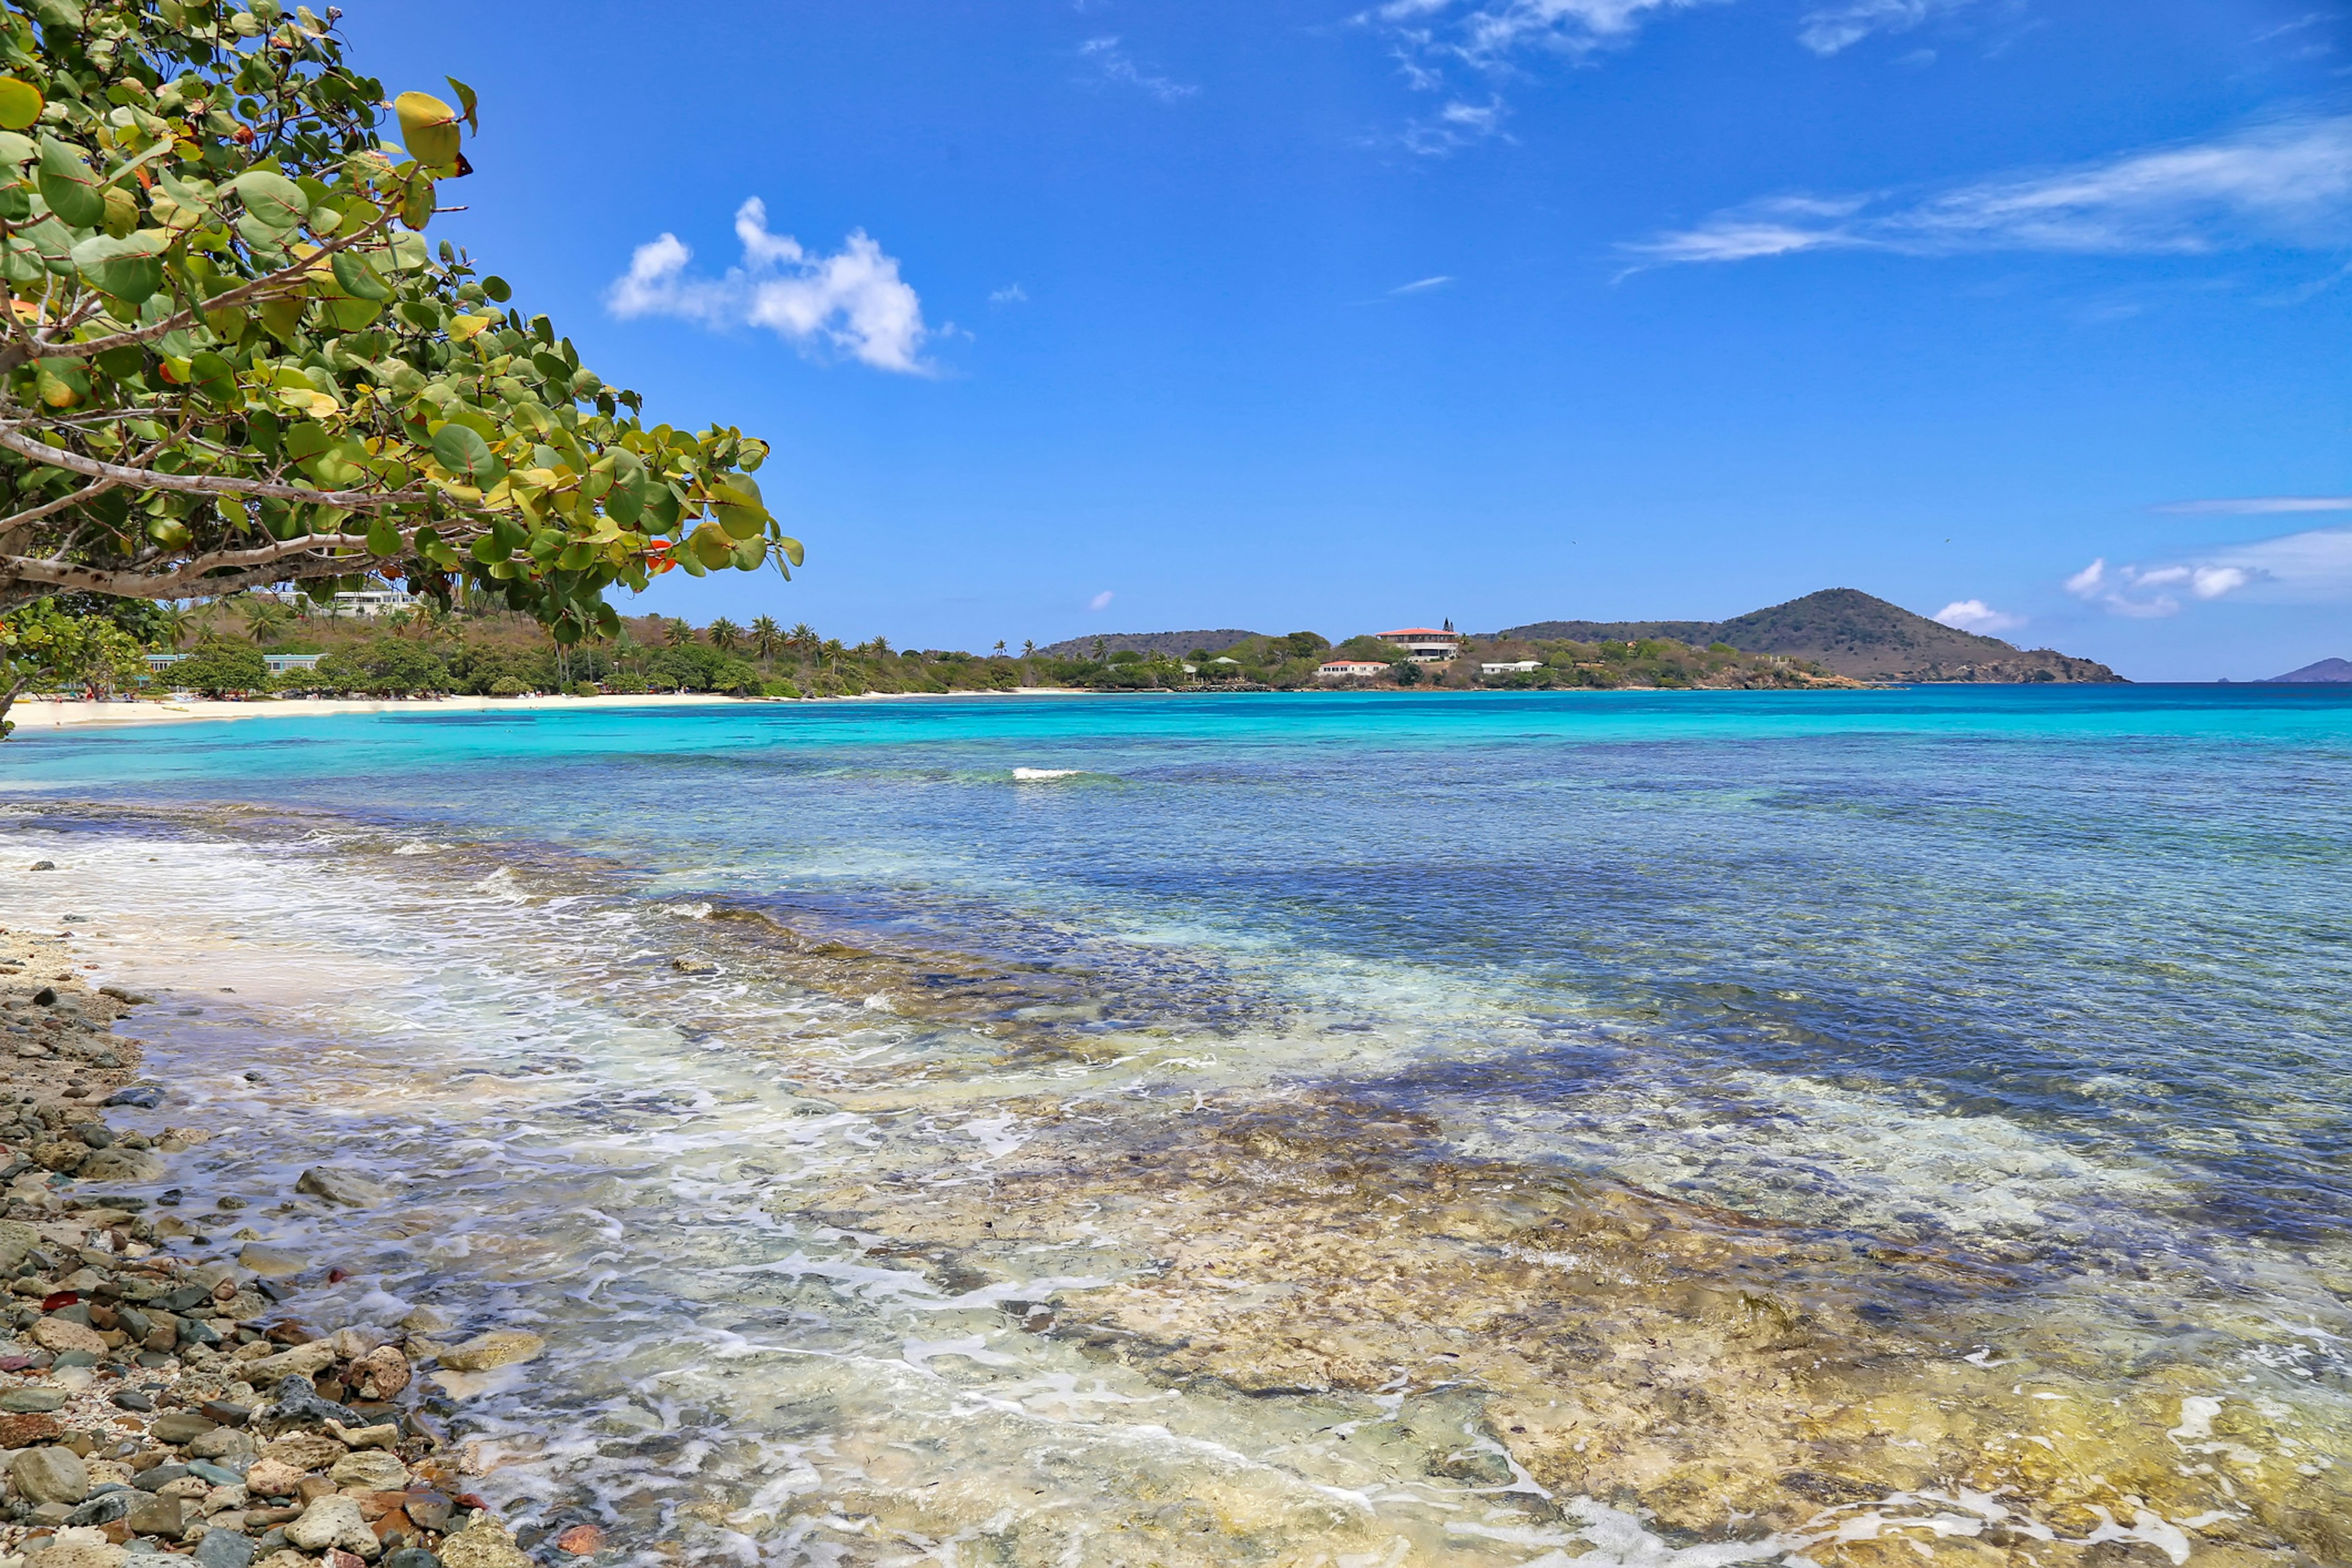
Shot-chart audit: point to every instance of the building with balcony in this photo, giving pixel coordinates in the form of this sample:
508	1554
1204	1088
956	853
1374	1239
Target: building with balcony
1427	645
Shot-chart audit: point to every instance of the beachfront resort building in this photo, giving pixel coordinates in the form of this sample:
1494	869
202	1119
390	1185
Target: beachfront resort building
1349	669
1511	666
1426	644
371	602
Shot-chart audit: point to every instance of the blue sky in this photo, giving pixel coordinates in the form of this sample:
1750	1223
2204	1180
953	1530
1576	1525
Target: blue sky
1068	316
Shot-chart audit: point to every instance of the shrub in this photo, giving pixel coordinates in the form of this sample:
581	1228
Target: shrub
507	686
583	689
626	686
780	689
221	669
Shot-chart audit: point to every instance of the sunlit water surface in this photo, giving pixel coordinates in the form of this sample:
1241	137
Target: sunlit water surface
1691	1128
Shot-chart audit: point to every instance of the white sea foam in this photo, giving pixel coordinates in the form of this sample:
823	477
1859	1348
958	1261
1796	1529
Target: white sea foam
1029	776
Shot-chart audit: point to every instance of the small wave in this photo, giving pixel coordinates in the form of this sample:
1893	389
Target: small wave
420	847
697	911
1025	775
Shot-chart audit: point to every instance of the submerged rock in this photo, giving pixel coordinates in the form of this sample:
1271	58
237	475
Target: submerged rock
349	1189
499	1347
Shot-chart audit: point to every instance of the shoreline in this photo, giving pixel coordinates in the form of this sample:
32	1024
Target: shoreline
45	714
158	1397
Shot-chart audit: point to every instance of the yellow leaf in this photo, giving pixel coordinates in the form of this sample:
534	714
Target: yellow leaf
465	329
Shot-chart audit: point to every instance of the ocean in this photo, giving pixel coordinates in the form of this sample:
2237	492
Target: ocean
1664	1128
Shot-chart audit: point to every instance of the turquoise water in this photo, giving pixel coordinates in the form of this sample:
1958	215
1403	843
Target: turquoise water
2055	981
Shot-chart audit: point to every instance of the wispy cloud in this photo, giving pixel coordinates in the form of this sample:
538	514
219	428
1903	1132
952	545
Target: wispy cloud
2311	567
1107	64
1454	127
1827	29
1485	33
1421	285
852	302
1101	601
2287	182
2261	506
1975	616
1011	294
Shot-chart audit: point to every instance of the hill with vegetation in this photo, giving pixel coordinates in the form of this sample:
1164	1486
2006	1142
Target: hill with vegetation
2325	670
1175	645
1852	634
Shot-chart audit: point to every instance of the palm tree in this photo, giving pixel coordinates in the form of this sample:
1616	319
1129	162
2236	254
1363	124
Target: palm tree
1000	647
1028	647
803	639
834	651
264	617
679	634
177	621
725	634
766	638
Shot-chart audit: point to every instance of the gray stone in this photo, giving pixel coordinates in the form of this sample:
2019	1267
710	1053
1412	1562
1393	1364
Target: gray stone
349	1189
30	1401
163	1516
180	1427
225	1549
50	1475
117	1164
410	1557
145	1096
272	1262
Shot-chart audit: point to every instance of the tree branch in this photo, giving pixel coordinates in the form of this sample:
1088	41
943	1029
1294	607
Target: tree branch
12	356
14	438
259	563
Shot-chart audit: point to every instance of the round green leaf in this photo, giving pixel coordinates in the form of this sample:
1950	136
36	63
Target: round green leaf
20	103
382	538
498	289
270	199
357	278
131	268
466	456
70	187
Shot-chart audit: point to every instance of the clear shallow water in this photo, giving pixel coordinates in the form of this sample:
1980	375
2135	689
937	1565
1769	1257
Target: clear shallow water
2005	1024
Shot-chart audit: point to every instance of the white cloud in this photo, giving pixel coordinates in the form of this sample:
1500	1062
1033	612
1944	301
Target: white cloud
1485	32
2311	567
1975	616
853	301
2288	183
2261	506
1106	62
1422	285
1101	601
1830	28
1454	127
1011	294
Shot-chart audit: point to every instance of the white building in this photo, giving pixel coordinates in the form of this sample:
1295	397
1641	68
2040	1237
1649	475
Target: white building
1426	644
371	602
1349	669
1511	666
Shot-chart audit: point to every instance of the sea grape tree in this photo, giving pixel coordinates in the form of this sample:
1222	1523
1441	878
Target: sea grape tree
231	358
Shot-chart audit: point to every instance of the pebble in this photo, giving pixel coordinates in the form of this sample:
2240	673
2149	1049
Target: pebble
225	1549
482	1544
370	1467
29	1401
180	1427
333	1521
55	1474
498	1348
271	1262
346	1187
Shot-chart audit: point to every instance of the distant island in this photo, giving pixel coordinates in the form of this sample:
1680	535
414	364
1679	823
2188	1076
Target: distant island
2326	669
1850	633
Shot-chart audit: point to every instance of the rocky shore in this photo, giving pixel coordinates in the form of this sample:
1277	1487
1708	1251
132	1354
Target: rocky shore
159	1397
